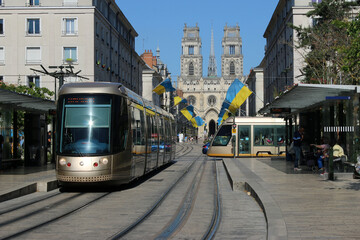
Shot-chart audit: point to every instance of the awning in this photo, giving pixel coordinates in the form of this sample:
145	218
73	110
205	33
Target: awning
302	96
13	100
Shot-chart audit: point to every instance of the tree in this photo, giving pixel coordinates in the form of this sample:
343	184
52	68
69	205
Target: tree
326	43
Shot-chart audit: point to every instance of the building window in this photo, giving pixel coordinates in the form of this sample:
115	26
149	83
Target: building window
191	69
70	26
70	54
35	80
1	2
212	100
33	26
191	50
34	3
1	79
232	50
191	100
33	55
1	26
2	55
232	68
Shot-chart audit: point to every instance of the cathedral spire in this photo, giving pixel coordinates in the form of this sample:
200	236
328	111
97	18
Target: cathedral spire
212	61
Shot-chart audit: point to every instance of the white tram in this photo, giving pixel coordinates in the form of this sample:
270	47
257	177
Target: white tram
251	136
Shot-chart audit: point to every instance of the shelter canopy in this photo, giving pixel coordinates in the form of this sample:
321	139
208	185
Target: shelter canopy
13	100
303	96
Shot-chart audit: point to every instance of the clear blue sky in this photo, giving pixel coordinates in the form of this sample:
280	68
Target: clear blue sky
160	23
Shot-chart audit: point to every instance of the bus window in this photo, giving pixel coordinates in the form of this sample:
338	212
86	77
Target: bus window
223	136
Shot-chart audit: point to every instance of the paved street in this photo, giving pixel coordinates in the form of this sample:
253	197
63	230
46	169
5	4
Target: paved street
297	205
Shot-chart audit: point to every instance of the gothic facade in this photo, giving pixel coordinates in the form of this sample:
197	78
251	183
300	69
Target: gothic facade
207	94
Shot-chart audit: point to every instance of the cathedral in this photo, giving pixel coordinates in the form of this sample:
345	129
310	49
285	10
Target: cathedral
207	93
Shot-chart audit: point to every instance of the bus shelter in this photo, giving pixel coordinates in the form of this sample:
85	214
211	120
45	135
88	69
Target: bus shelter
326	111
24	141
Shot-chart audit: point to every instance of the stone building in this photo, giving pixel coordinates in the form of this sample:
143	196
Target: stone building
207	94
94	35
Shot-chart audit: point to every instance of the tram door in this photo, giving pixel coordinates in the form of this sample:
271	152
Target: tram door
244	143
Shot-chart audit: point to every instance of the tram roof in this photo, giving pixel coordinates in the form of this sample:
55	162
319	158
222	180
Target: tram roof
13	100
304	96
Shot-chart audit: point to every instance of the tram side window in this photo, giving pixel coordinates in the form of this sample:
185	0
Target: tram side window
223	136
120	124
263	135
138	127
280	135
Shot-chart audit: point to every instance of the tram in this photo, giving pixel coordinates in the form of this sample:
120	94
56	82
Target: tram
251	136
108	134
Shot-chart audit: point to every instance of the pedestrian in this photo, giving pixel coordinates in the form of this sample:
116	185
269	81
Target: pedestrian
298	137
323	157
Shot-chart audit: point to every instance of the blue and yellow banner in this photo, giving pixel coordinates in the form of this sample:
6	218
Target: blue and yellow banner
178	100
236	95
199	121
224	114
188	112
164	86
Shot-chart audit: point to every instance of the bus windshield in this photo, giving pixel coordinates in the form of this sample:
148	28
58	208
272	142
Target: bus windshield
85	125
223	136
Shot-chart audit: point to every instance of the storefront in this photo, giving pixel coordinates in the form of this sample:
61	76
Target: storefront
327	112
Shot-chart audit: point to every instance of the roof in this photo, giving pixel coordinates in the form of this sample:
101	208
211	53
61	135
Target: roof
25	102
302	96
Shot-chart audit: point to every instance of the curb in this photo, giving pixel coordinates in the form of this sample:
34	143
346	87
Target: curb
43	186
242	178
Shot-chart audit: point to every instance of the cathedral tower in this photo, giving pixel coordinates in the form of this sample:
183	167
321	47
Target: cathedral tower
232	58
191	57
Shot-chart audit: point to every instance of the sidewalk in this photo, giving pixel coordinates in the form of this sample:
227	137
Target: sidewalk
299	205
20	181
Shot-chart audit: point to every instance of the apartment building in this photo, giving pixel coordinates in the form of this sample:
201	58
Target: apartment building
93	36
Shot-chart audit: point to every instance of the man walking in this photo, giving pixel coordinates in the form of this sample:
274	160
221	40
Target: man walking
298	137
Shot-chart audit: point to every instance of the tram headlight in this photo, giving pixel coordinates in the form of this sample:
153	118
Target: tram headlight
104	161
62	161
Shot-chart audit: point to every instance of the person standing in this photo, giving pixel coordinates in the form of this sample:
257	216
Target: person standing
298	137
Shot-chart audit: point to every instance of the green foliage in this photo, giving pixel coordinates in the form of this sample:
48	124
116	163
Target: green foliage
331	45
32	90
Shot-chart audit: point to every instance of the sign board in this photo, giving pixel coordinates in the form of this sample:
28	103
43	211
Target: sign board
234	131
337	97
280	110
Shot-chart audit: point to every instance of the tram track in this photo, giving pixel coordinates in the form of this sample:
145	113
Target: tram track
184	210
155	205
28	221
28	203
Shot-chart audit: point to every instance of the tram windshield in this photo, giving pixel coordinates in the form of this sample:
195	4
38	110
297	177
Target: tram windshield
85	125
223	136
